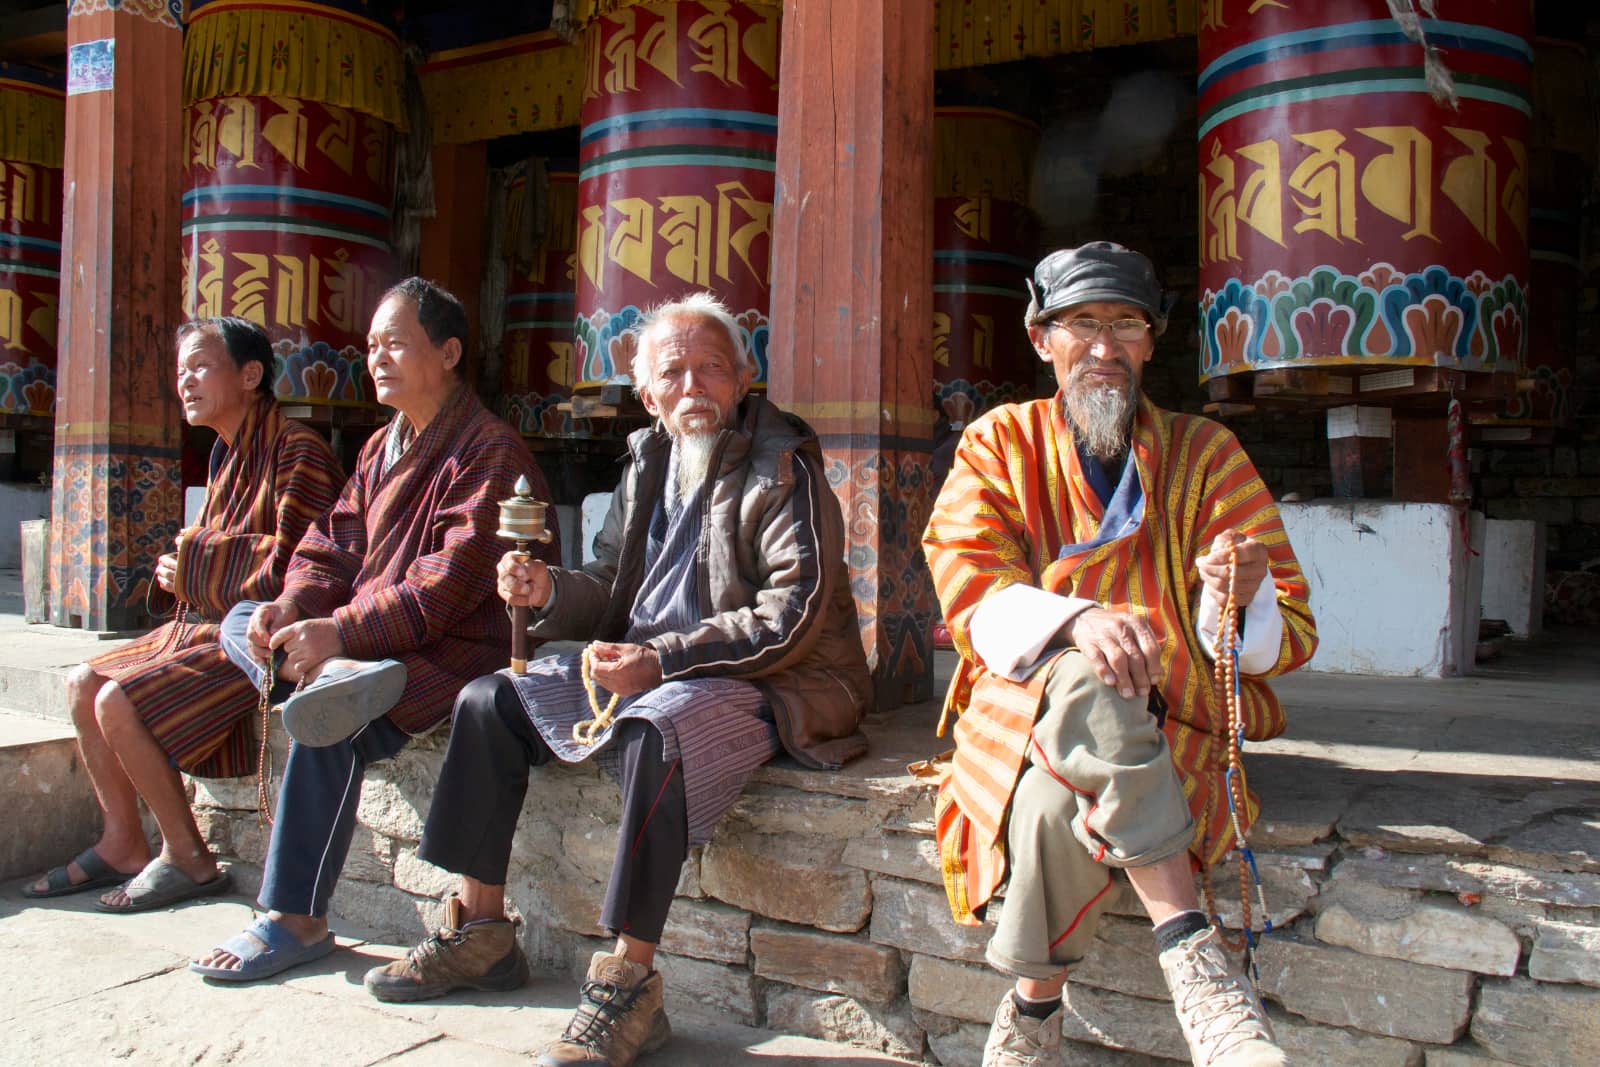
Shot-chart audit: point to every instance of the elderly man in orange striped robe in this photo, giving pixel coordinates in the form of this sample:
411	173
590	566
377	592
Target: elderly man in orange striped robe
1081	550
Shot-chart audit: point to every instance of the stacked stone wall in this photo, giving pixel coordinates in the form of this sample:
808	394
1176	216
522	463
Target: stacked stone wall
817	909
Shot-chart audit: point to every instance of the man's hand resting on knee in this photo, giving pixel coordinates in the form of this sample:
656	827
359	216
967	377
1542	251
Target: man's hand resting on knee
1122	649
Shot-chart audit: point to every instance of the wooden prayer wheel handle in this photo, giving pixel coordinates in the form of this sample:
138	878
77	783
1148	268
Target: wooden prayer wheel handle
521	521
519	639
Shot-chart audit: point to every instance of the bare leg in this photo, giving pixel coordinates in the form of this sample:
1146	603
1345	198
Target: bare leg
122	842
1166	888
147	767
635	951
481	901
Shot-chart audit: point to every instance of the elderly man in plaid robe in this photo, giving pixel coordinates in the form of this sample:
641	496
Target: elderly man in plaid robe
723	630
1081	549
389	608
168	702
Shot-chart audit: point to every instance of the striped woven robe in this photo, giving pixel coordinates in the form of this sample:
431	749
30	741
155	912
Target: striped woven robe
405	561
1015	497
264	491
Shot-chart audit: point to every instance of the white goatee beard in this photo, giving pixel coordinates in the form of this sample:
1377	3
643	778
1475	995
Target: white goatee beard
1101	415
694	459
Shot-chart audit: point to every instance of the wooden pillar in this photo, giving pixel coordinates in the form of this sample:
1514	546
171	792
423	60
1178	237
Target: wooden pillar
1421	457
451	252
852	298
117	502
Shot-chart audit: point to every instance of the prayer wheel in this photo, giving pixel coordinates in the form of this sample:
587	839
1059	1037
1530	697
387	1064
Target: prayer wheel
676	171
1347	217
536	373
290	161
32	124
983	245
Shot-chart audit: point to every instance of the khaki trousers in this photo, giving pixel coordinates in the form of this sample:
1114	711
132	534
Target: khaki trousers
1098	791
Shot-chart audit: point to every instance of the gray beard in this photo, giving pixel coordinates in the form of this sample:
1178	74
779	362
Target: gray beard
1101	416
694	460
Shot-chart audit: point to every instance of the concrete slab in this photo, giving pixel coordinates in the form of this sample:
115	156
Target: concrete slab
92	988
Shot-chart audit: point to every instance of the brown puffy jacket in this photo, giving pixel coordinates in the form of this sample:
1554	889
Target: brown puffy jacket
773	571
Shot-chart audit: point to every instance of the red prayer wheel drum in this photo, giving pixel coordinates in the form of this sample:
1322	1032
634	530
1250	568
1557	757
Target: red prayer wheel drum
982	237
676	172
1346	217
286	218
537	369
30	245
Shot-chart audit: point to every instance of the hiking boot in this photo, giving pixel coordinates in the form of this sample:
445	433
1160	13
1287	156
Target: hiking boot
483	954
1222	1018
620	1016
1018	1040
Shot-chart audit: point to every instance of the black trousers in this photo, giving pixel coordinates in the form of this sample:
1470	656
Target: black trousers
485	779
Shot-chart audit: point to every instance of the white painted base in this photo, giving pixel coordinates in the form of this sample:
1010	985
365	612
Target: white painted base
1513	574
19	502
1393	588
595	508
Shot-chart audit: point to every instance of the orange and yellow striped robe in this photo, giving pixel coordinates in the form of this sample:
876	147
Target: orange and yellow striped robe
1015	497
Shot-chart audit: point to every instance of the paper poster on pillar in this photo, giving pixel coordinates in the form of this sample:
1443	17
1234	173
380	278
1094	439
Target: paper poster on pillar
286	223
91	66
676	172
1347	216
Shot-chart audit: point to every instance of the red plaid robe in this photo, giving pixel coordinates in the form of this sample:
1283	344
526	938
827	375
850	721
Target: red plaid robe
277	478
405	562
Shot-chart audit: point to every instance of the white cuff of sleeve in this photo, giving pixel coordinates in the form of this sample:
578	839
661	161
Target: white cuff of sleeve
1263	631
1011	628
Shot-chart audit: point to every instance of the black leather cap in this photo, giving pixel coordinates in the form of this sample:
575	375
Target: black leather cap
1099	270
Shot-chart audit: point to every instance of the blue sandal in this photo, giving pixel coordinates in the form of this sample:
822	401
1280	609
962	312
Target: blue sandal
283	951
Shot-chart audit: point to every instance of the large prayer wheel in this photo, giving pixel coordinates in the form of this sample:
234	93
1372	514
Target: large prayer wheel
678	149
1347	217
32	114
536	373
286	213
983	245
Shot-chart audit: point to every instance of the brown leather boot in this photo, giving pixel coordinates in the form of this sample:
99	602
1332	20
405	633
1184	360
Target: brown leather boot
483	955
620	1016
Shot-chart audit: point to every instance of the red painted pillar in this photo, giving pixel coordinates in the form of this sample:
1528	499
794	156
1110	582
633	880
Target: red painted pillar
852	298
117	502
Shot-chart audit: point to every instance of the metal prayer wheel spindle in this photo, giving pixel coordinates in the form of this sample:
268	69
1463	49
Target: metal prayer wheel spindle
521	521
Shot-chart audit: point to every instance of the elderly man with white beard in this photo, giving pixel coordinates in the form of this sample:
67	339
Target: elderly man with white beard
1082	548
722	632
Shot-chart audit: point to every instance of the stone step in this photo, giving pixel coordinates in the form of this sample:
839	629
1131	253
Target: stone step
49	806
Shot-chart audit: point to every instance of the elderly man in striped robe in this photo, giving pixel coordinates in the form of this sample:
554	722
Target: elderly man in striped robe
156	706
724	633
1081	551
389	608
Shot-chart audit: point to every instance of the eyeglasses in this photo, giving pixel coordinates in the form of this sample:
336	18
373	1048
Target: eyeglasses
1089	329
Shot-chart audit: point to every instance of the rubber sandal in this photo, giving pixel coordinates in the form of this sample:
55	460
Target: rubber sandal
161	885
283	950
58	883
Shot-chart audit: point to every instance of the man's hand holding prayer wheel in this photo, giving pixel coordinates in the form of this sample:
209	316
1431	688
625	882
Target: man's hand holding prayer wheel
523	582
1251	568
